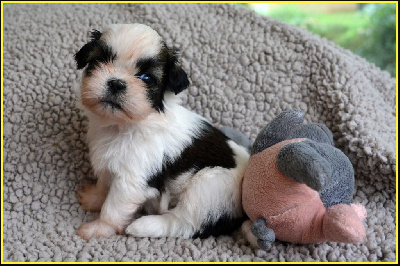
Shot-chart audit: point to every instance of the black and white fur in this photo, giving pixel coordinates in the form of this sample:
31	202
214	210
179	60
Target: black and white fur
148	151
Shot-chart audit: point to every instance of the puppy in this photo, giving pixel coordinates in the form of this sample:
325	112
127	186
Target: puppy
148	151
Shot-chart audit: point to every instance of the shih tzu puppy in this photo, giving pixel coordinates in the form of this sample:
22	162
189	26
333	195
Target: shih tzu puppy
149	153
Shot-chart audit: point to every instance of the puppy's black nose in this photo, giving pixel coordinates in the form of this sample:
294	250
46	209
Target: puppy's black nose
115	86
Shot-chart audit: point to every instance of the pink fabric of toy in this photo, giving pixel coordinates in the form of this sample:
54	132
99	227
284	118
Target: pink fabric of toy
293	210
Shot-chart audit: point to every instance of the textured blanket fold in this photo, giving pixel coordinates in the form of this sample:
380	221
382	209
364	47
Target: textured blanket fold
244	69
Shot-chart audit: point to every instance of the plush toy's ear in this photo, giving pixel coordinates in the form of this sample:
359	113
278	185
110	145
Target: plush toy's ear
313	131
177	79
278	130
82	57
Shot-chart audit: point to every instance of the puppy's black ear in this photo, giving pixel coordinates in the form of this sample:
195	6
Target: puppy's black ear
82	57
177	78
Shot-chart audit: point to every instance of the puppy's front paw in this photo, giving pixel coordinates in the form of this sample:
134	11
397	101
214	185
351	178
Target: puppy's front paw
96	229
90	198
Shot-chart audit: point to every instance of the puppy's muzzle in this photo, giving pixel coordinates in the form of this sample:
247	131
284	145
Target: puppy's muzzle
116	86
114	93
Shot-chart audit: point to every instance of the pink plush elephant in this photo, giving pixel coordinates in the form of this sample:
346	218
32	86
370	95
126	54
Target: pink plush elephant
297	186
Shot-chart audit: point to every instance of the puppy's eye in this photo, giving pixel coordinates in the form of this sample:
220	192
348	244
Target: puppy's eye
147	78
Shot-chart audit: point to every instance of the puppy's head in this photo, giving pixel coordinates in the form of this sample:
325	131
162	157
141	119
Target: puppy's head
128	69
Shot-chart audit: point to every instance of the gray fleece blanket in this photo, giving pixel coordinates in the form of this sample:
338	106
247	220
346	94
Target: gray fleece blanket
244	70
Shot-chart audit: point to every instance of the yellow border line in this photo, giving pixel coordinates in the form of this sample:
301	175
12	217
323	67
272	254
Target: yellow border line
115	2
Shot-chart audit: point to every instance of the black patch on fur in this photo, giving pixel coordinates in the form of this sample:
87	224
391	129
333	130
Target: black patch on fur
209	150
95	34
168	75
148	65
154	67
82	56
224	226
101	54
176	79
94	53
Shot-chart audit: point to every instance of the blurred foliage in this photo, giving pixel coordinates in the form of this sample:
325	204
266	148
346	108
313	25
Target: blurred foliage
379	44
369	32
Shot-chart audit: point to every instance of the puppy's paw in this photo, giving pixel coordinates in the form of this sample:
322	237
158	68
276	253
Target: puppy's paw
148	226
96	229
246	232
90	198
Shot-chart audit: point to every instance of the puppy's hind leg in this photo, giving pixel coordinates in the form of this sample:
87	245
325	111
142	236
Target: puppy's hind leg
208	201
171	223
176	222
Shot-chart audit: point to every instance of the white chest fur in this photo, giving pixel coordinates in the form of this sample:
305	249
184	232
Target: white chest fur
137	151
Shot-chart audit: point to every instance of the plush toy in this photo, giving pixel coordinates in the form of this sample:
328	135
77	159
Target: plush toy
297	186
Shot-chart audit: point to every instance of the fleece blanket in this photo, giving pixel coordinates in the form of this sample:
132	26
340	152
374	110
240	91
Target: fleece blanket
244	70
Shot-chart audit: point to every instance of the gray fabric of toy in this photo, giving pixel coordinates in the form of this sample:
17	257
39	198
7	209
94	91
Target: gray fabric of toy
237	137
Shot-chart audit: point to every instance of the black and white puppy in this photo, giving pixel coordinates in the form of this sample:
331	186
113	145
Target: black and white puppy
146	149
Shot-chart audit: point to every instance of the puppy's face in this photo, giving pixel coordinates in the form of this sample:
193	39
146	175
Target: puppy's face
128	71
